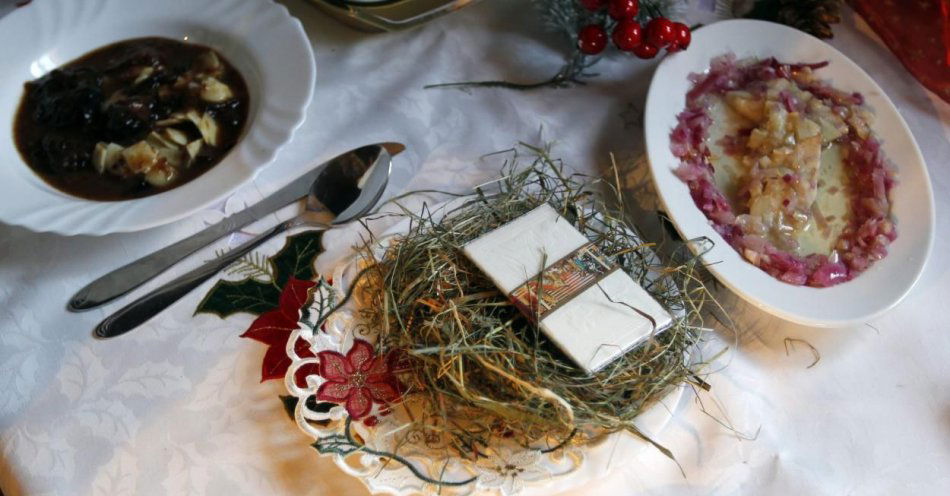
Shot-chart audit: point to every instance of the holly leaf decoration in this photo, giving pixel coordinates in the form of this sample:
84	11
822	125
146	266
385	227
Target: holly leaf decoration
254	296
277	302
296	258
230	297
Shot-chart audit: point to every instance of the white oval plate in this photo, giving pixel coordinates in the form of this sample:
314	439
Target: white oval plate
261	39
868	295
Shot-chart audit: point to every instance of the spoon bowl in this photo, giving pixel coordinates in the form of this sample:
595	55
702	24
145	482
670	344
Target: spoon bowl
337	194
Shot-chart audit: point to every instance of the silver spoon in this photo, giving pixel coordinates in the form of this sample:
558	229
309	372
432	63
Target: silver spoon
343	191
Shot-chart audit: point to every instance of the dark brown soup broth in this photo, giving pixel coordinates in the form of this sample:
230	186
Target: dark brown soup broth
122	94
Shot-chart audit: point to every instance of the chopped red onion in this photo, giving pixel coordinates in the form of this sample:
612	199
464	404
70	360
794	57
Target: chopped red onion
789	101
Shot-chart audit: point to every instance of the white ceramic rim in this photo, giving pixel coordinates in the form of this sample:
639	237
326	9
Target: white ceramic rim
261	38
870	294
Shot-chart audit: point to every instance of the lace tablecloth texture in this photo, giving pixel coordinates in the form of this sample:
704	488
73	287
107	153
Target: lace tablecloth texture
176	407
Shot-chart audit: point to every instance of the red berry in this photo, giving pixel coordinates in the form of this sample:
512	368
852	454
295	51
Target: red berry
594	5
623	9
646	50
683	36
627	35
660	32
592	39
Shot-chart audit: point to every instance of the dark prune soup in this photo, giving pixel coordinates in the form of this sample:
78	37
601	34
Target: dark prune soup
131	119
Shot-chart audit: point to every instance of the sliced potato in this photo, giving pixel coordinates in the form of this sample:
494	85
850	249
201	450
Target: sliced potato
176	136
161	175
144	74
757	138
209	129
193	116
213	90
140	157
166	148
753	257
157	140
859	125
176	118
746	105
777	120
174	157
806	128
776	86
209	63
832	127
105	156
194	148
181	82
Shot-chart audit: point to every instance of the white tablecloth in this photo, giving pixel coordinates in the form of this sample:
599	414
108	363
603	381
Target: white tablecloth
176	407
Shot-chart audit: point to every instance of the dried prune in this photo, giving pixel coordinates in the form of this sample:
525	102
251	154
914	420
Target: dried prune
128	119
60	154
67	98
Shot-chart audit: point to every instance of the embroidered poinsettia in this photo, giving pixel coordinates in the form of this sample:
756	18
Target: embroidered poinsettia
358	379
273	328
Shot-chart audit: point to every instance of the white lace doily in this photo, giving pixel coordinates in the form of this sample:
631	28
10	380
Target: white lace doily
381	451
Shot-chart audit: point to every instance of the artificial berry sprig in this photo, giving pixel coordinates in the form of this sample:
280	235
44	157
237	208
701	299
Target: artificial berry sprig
592	39
639	27
628	35
620	10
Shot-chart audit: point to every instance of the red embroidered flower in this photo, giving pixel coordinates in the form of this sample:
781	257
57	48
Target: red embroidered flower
273	328
358	379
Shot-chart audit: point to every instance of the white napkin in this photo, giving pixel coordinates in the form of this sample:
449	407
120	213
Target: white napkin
590	328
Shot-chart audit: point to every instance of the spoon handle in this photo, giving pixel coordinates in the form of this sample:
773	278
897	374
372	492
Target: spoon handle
137	312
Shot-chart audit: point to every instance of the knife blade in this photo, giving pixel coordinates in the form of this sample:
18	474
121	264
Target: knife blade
130	276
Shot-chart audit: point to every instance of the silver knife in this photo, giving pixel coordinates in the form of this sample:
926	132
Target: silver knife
126	278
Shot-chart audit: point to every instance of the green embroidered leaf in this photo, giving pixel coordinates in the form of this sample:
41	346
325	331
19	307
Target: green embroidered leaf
230	297
296	258
336	444
255	296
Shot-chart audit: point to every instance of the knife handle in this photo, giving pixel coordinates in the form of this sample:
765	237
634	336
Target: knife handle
128	277
136	313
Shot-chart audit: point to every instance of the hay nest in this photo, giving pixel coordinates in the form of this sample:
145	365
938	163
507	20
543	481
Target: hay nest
478	367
